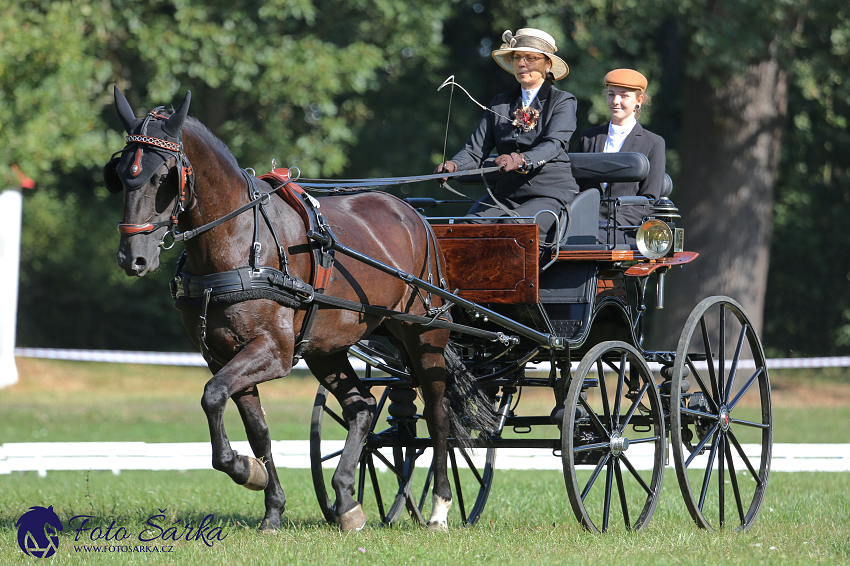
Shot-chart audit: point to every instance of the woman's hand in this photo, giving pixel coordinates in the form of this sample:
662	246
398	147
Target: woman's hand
447	167
510	162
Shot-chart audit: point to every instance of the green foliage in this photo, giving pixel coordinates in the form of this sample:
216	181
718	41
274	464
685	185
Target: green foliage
348	88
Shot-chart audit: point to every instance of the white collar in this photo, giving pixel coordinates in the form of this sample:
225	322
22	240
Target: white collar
529	95
622	129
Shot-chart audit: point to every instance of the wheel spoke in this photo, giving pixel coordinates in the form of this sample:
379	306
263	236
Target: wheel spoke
708	469
593	416
644	440
763	426
634	407
635	474
621	377
595	474
606	504
591	447
744	457
721	356
734	479
330	412
377	489
458	489
378	409
603	392
621	489
471	466
361	480
702	443
721	478
390	466
745	388
701	383
427	487
331	455
734	369
709	358
686	411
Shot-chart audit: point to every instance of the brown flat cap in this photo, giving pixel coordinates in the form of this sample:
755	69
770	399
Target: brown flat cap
626	78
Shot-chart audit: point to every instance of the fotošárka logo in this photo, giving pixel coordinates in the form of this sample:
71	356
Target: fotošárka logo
38	532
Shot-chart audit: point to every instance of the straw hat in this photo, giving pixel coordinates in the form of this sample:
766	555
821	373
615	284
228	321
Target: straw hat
535	41
626	78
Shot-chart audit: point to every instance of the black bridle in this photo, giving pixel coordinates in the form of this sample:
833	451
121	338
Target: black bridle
185	175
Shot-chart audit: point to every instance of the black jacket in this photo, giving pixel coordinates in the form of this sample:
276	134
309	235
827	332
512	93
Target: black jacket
639	140
545	146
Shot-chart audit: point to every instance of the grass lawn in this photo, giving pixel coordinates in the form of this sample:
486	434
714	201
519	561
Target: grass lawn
805	519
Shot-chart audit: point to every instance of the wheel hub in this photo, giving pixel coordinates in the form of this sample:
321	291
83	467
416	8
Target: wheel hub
725	419
619	444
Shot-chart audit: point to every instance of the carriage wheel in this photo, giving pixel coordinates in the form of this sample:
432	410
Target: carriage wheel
721	431
614	423
470	475
388	473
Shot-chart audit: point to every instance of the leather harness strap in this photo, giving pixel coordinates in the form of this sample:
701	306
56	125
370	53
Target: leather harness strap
308	209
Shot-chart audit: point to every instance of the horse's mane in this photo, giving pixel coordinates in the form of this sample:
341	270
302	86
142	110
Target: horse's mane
209	138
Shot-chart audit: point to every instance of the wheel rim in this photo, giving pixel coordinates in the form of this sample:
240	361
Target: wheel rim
722	428
599	433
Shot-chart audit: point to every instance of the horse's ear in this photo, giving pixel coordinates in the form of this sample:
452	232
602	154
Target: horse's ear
128	118
174	124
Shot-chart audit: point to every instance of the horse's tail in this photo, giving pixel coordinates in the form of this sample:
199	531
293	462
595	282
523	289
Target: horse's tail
471	407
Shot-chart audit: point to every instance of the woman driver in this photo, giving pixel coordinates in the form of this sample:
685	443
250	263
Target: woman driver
530	128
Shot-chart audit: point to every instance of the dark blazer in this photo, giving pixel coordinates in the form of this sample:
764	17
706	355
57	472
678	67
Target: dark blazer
545	146
639	140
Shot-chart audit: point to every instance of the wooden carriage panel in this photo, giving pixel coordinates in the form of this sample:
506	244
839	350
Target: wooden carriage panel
491	263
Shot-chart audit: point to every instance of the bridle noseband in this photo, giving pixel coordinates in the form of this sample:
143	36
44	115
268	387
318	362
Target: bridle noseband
185	175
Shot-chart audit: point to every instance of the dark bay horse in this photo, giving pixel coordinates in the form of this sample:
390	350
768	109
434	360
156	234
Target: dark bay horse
173	169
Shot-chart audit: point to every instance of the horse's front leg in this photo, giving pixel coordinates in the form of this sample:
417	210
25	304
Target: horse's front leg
253	417
259	361
336	374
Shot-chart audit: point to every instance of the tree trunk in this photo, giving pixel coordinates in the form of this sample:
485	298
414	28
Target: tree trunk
729	156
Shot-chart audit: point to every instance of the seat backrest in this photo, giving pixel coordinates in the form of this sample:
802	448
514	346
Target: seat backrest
590	167
584	219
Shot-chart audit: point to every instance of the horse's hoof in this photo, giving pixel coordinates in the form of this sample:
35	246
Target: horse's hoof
258	479
438	526
266	527
352	520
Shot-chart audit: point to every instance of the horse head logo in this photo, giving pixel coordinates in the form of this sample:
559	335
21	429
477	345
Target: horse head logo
38	532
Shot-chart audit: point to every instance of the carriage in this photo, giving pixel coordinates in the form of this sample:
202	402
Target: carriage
421	298
576	330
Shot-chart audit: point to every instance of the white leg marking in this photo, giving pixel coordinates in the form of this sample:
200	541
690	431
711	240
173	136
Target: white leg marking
439	513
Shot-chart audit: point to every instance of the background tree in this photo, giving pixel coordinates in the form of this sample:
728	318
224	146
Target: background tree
348	88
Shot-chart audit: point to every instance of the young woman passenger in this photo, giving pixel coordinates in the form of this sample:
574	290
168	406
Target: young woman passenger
626	94
530	128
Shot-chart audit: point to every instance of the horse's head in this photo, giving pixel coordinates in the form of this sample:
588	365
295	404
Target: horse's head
155	177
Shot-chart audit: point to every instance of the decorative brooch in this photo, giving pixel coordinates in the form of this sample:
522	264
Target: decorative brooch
526	118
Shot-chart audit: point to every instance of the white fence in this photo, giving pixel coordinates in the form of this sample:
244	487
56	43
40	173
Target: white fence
42	457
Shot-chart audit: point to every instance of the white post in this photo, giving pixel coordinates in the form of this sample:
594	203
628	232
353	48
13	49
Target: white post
11	205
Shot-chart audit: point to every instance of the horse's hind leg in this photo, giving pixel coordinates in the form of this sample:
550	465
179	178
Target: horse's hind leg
426	352
253	417
336	374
